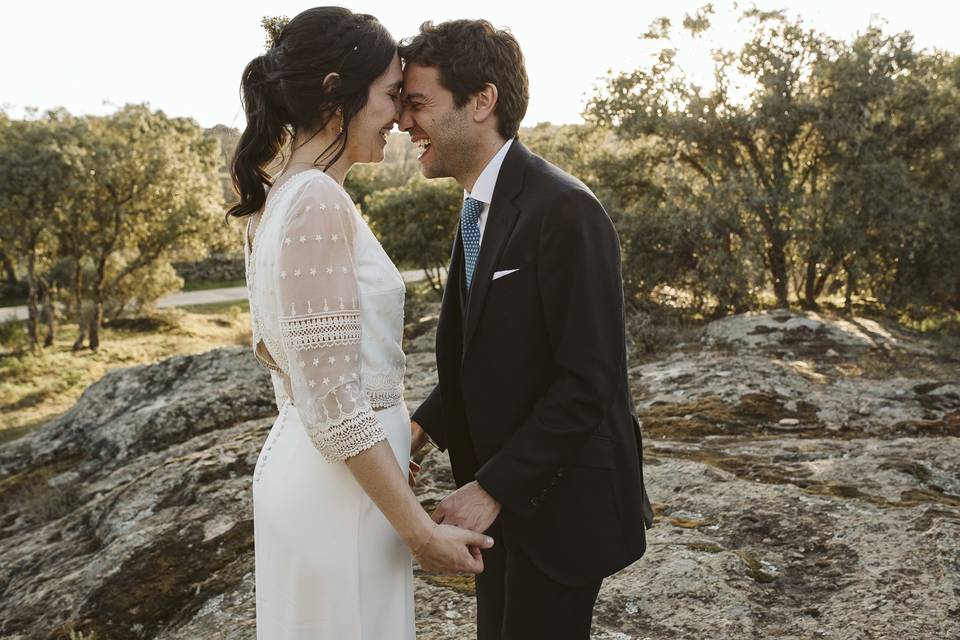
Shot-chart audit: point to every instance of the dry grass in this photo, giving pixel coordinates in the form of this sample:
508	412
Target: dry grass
36	386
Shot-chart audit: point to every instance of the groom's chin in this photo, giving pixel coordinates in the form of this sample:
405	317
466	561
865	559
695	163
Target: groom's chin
430	172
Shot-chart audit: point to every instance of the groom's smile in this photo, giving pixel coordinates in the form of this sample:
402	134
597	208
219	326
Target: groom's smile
423	144
435	125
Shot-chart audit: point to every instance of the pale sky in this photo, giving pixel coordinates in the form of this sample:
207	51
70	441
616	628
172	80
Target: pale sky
186	57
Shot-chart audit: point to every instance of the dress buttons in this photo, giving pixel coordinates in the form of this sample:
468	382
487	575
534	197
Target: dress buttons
271	441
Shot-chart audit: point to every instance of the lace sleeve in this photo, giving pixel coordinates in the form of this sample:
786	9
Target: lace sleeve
318	298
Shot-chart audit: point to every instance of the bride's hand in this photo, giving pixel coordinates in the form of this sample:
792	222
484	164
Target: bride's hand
450	550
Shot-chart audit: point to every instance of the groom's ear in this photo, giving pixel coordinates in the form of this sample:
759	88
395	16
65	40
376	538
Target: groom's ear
485	103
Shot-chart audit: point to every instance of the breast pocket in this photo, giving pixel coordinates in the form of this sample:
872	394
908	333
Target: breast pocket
512	276
503	273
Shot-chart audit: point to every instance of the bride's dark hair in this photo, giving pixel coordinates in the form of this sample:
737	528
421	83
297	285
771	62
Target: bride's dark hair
283	92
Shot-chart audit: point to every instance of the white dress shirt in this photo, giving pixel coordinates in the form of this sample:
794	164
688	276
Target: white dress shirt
486	183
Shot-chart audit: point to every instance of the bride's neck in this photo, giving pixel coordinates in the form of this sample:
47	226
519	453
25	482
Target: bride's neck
306	153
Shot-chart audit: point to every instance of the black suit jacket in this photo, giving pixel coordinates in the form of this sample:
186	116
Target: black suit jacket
533	400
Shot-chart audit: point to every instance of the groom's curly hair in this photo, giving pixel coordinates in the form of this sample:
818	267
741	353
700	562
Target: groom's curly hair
469	54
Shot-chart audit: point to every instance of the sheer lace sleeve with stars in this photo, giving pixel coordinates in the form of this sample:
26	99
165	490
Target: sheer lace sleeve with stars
318	298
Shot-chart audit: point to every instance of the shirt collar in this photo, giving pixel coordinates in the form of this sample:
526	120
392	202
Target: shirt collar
487	181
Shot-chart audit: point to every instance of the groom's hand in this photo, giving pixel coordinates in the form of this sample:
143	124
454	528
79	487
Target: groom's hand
469	507
412	476
418	438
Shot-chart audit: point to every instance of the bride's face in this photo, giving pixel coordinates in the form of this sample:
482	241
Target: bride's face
371	126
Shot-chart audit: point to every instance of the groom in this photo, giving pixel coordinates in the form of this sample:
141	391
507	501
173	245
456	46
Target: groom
533	404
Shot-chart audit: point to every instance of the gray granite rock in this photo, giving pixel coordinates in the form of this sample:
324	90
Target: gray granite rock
805	473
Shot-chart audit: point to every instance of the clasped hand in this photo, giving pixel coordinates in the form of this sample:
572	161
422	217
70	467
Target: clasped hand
470	507
461	518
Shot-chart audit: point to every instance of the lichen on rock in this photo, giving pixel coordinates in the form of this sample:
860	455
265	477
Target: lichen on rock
804	470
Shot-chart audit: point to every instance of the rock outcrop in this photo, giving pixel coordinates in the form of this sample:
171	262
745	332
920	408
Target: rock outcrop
805	472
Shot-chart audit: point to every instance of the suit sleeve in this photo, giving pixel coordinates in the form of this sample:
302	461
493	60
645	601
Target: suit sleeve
581	291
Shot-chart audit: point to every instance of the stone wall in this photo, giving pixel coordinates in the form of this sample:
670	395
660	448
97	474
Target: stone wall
214	267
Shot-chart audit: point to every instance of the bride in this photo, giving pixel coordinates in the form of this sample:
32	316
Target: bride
335	522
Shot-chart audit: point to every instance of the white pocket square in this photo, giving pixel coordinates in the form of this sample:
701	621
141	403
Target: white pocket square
500	274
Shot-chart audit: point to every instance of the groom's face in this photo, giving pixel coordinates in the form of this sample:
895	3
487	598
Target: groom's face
435	125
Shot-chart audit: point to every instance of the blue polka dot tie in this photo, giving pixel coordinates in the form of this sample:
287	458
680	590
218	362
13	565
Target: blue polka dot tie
470	234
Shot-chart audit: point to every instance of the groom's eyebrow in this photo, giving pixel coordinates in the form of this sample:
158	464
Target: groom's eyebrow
409	97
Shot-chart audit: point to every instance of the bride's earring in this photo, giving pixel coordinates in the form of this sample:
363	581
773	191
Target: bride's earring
340	125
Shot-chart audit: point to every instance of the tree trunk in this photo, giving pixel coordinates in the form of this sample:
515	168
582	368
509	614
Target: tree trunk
96	318
736	296
777	255
848	294
33	325
440	269
78	304
49	316
9	272
81	336
822	279
434	278
810	283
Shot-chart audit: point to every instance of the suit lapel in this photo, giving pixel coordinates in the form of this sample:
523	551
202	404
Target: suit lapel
500	222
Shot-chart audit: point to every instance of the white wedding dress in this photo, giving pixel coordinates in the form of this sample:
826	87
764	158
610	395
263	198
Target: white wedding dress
326	305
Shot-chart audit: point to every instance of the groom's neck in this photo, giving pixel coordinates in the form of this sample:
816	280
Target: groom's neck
485	149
